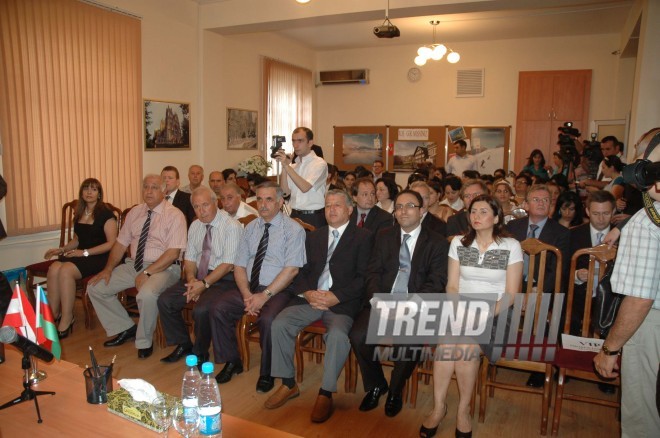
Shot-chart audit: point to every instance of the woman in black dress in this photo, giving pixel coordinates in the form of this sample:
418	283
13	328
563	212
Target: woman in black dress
95	231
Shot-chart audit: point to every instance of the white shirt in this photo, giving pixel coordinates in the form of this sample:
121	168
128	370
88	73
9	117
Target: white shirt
243	210
457	165
457	205
188	189
315	171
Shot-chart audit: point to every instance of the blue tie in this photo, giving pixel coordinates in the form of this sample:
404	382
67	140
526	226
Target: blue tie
531	234
324	279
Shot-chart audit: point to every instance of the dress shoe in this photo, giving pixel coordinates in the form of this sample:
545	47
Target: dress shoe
429	432
281	396
606	388
179	352
121	337
144	353
322	409
536	380
370	400
460	434
393	404
265	384
65	333
228	371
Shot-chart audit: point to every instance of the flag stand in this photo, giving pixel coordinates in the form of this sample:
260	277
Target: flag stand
36	375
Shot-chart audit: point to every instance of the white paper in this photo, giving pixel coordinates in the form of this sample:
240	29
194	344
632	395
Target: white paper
579	343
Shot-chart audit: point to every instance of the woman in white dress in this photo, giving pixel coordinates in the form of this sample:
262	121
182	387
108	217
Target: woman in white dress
484	261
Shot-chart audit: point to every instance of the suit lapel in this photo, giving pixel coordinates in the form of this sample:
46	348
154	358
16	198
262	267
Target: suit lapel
345	239
418	253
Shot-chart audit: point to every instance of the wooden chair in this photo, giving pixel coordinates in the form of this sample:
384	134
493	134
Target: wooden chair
580	364
247	331
445	212
310	340
247	219
305	225
538	253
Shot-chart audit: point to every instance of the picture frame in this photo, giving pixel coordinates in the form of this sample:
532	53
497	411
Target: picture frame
166	125
242	129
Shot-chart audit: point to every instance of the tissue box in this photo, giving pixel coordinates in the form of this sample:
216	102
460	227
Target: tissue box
121	403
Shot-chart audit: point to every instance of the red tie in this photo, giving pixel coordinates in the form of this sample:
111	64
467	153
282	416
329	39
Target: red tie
361	223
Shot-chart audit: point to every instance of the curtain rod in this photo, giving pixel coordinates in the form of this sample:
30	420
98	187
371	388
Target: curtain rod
110	8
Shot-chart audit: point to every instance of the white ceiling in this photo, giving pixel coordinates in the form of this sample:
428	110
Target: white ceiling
494	20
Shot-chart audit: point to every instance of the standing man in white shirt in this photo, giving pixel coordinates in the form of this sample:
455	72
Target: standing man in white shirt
304	180
461	162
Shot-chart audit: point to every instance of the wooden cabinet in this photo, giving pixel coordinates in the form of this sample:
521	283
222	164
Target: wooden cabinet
547	99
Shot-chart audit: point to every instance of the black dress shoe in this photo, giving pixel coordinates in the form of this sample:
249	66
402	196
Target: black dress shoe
144	353
121	337
393	404
370	400
536	380
265	384
179	352
228	371
606	388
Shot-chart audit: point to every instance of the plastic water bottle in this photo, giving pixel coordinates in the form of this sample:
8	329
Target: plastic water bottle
210	404
190	386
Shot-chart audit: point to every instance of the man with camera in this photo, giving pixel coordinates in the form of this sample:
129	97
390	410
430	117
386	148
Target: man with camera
608	146
636	329
304	180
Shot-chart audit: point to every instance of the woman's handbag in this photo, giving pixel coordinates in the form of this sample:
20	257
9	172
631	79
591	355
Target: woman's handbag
606	304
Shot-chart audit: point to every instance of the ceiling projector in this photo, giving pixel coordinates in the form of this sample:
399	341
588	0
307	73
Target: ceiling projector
387	31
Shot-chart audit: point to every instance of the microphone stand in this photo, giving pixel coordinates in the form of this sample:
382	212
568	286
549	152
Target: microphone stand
28	393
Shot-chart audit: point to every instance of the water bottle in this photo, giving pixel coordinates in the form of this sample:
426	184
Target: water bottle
210	404
190	387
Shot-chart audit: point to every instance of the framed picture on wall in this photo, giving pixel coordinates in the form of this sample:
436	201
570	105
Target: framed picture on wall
359	146
241	129
166	125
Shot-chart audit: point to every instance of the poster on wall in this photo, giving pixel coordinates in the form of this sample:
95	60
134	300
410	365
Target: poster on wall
410	155
361	148
166	125
488	146
241	129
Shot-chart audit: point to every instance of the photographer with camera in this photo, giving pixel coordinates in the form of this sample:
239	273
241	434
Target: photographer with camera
305	180
609	146
636	329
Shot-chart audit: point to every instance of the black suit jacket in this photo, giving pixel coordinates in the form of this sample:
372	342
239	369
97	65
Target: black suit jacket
428	270
553	234
434	223
182	202
348	267
457	224
377	219
580	239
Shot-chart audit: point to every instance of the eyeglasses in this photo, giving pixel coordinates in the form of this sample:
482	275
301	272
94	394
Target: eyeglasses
470	195
408	206
540	200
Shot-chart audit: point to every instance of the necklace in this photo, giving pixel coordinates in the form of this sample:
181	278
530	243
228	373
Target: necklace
87	213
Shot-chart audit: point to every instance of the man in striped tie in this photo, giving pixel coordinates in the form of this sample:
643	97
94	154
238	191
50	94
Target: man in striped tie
156	232
329	288
270	254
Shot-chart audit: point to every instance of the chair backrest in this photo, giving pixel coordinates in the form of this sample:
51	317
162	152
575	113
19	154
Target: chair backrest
538	256
66	230
118	214
305	225
253	204
445	212
599	256
247	219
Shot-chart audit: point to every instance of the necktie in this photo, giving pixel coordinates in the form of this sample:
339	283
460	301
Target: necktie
259	259
324	279
401	282
361	223
142	243
599	240
203	267
167	198
531	234
532	231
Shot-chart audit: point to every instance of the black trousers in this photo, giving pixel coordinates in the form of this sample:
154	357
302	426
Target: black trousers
170	306
370	367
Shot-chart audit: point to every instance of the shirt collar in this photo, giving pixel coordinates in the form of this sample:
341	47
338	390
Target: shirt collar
339	229
414	233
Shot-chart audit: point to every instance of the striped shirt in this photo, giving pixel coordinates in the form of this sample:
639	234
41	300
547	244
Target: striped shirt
226	234
286	247
167	230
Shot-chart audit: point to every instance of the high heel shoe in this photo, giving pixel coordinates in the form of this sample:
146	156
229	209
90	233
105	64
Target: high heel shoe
429	432
69	329
460	434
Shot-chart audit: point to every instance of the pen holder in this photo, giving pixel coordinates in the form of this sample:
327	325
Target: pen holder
97	388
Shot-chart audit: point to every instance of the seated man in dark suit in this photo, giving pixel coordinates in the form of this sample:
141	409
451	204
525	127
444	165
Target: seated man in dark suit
330	287
367	214
538	225
429	221
428	252
174	196
458	223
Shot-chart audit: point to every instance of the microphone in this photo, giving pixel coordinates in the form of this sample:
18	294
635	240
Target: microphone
8	335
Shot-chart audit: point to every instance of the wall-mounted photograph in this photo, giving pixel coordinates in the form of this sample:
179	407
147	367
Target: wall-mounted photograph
241	129
410	155
362	148
166	125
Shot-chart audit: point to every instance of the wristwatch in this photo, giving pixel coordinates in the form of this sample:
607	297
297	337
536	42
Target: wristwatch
85	253
608	352
146	273
268	294
206	283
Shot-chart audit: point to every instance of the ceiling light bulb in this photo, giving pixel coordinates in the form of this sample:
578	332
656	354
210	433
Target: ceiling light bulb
438	52
425	52
453	57
303	1
420	60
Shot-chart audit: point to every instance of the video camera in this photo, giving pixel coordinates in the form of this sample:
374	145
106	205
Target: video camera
567	150
278	141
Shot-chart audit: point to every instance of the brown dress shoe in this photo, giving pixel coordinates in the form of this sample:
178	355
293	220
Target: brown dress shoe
281	396
322	409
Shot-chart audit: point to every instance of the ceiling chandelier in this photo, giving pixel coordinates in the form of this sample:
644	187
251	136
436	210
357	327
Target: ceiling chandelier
435	51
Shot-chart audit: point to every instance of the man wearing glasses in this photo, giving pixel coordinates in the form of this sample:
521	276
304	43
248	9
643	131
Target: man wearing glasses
406	259
539	226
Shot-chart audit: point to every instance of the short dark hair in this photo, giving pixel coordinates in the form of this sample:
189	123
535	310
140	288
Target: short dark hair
527	179
500	172
392	189
614	161
601	196
609	138
308	132
171	169
379	161
410	192
461	143
227	173
452	181
356	185
471	174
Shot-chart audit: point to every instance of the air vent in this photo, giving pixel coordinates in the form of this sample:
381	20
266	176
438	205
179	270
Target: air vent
344	77
470	83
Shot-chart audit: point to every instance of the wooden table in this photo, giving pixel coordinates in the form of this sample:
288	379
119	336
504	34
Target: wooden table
67	412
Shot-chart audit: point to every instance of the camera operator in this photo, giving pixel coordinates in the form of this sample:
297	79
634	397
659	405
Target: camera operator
304	180
608	146
637	326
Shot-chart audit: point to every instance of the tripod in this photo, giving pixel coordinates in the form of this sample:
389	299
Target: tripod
28	393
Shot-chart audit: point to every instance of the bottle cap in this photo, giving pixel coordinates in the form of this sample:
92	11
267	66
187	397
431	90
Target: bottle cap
207	368
191	360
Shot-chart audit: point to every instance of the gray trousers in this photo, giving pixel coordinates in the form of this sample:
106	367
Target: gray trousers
111	313
291	321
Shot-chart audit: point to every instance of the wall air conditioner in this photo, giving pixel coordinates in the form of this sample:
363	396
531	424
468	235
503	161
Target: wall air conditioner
360	76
